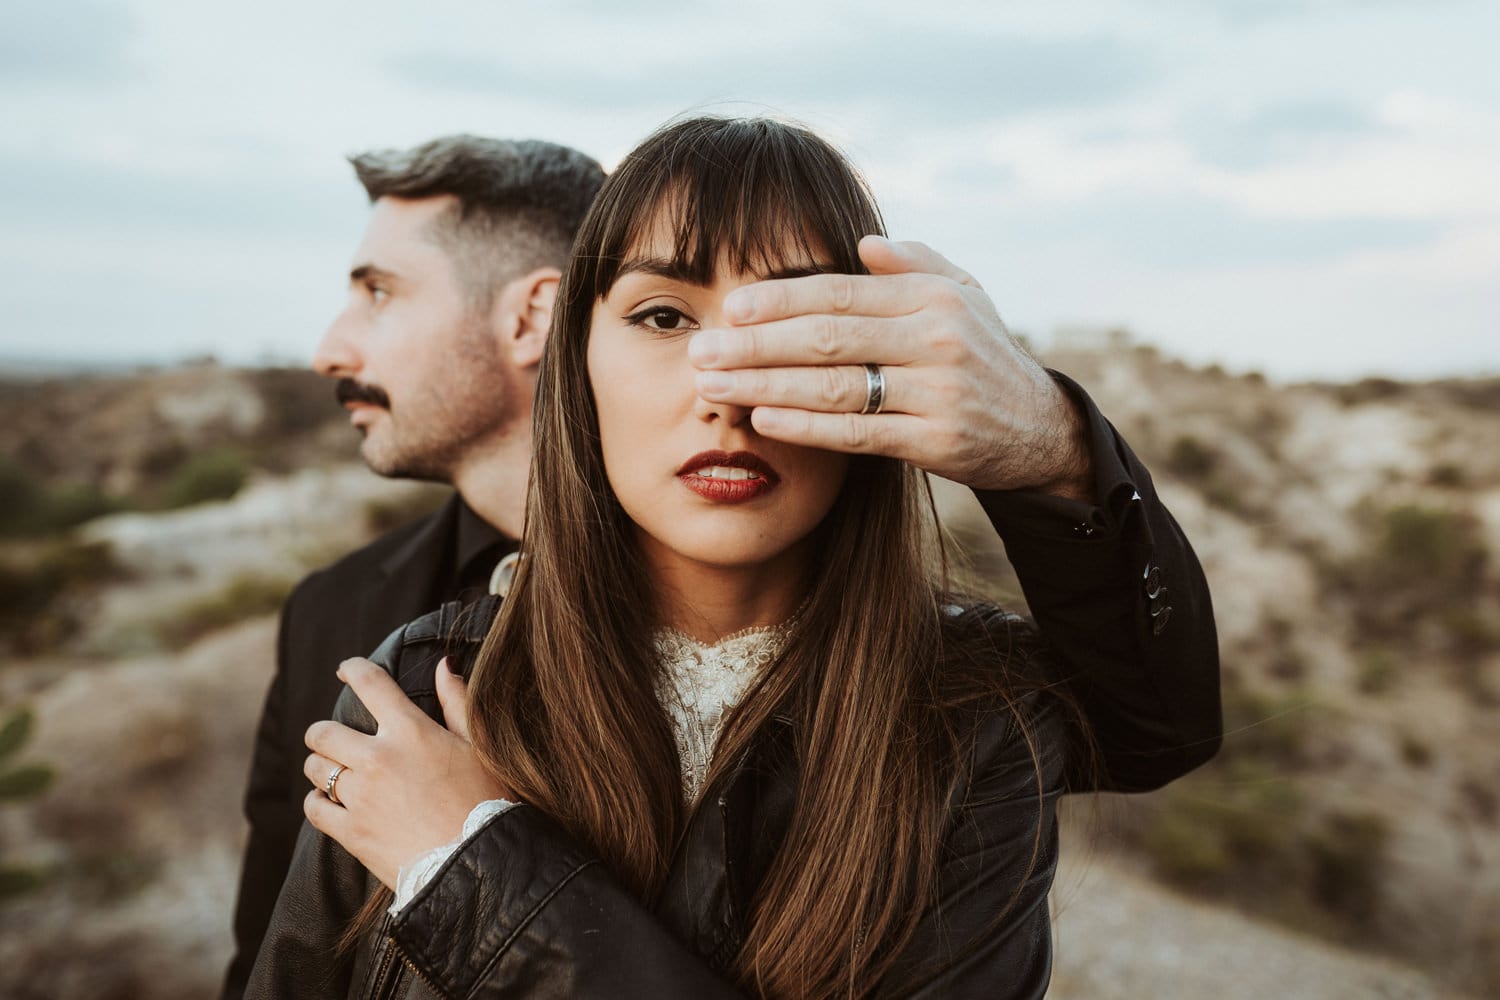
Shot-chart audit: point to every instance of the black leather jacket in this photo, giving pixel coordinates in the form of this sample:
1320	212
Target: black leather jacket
523	910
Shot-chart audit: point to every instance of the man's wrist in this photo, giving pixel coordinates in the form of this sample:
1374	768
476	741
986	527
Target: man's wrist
1072	471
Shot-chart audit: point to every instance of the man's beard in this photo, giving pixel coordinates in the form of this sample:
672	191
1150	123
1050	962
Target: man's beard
429	436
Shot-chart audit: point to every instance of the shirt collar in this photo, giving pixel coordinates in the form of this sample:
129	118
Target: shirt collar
477	539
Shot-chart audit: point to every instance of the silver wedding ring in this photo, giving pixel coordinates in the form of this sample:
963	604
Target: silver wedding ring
333	779
874	388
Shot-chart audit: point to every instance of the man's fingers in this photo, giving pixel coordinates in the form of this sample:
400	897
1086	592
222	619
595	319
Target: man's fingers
833	294
827	388
808	340
453	696
886	257
895	435
378	691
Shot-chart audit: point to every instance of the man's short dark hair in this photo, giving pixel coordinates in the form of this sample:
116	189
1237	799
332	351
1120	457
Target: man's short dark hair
518	203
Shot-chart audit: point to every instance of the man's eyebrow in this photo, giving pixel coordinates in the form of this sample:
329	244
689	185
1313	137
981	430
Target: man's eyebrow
369	272
675	270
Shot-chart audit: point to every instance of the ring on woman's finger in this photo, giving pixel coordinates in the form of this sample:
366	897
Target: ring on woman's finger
330	788
874	388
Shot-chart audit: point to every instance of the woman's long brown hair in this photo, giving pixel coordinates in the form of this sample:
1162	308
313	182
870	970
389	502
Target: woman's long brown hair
562	696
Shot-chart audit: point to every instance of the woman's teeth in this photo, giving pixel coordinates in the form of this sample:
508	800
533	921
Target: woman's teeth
725	472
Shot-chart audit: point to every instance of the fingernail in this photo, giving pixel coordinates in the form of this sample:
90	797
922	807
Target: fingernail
706	347
764	419
740	304
715	383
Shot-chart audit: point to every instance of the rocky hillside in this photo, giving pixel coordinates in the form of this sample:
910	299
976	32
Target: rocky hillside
1346	843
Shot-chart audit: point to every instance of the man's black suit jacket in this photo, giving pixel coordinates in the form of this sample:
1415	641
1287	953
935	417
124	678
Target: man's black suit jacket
1114	587
341	611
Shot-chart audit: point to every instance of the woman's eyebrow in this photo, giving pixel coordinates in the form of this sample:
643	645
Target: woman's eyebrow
675	270
660	267
801	271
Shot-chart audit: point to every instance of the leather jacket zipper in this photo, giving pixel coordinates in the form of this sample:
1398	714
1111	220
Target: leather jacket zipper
434	987
384	984
390	977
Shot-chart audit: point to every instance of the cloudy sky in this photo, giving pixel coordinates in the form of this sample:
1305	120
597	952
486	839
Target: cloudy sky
1309	189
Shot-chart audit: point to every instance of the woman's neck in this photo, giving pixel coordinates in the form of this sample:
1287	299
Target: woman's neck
709	602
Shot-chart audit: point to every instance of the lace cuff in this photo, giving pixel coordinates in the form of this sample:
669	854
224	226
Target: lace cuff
412	877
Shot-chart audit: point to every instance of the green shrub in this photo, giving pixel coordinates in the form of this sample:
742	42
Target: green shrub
1369	390
1191	459
1415	751
30	507
1423	545
1377	671
242	597
1227	833
19	782
1348	857
1448	474
1267	729
1423	563
211	474
38	591
381	515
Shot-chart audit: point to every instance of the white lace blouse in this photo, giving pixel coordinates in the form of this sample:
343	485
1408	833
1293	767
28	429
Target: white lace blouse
699	684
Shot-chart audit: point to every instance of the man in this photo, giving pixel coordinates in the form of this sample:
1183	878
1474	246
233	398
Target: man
435	357
1111	581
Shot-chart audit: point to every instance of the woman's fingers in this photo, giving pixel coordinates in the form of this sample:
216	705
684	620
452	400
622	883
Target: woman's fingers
318	769
453	696
325	816
378	691
337	742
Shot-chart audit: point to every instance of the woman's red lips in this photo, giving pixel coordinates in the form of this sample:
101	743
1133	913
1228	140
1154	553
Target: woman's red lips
728	476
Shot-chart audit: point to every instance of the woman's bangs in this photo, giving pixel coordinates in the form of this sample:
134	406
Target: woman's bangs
735	194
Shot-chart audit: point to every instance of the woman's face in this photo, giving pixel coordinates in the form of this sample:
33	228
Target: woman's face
700	484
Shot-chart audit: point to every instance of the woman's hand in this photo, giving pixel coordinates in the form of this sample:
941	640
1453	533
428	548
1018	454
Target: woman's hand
405	790
962	399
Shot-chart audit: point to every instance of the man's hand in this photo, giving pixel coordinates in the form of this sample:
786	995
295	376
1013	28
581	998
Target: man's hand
403	791
962	400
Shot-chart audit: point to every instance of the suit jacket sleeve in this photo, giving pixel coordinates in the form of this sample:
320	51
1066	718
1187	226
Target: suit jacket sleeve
1121	599
268	807
325	886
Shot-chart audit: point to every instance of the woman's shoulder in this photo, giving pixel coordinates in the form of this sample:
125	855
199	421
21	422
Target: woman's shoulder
411	653
999	675
982	637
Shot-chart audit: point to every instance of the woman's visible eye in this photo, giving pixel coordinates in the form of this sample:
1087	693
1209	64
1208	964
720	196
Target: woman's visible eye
378	295
662	319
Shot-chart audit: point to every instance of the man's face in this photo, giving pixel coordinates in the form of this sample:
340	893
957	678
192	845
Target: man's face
423	372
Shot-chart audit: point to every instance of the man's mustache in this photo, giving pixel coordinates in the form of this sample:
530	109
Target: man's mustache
350	391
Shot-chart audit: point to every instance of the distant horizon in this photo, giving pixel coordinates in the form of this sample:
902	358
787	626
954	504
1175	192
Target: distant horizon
23	365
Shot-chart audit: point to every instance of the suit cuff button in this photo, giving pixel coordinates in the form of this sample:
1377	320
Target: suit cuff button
1153	581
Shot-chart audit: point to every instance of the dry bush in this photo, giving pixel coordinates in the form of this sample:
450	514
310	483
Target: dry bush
243	597
44	591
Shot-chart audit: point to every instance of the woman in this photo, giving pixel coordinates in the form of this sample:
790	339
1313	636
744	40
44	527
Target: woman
758	748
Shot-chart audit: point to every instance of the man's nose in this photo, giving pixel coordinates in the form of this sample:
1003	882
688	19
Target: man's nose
337	354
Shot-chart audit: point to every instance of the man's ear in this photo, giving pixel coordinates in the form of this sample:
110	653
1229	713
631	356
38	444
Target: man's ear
525	314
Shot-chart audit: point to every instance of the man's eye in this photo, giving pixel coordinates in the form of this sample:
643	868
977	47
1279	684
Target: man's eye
663	318
378	294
